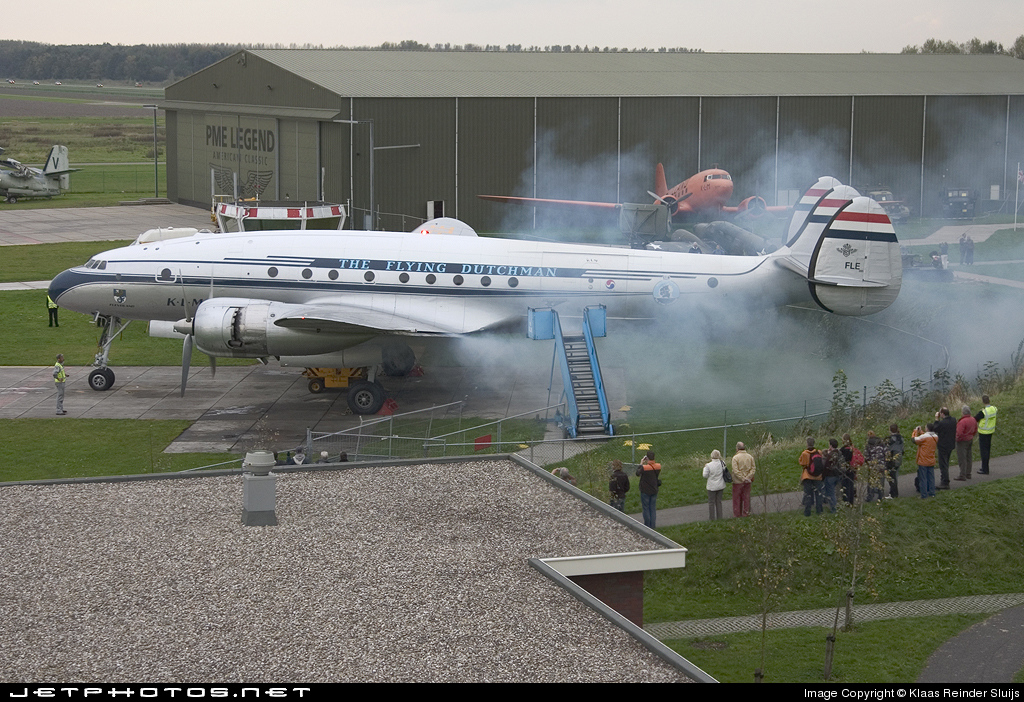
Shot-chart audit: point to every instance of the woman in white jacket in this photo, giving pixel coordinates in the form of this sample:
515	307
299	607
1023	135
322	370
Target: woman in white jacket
714	471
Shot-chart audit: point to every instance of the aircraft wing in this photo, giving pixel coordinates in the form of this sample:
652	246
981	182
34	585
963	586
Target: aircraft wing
542	201
415	316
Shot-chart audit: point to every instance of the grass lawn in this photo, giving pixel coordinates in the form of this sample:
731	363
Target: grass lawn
37	449
77	338
890	651
89	139
43	261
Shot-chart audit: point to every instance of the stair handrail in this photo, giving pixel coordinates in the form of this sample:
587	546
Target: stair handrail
588	335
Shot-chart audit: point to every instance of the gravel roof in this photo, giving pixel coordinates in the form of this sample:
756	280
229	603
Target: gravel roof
409	573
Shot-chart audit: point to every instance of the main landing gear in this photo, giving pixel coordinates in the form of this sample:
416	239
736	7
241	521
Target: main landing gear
363	394
102	378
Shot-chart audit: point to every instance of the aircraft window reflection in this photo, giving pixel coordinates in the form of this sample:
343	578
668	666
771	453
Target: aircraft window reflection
404	278
458	280
272	272
368	276
306	273
513	282
485	281
431	279
333	275
103	265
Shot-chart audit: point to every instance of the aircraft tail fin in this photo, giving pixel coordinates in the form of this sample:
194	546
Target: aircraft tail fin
57	161
845	246
660	184
58	167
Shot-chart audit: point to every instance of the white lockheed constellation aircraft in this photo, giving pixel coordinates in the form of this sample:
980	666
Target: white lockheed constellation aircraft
347	298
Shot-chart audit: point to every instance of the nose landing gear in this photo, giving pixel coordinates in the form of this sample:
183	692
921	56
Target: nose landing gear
102	378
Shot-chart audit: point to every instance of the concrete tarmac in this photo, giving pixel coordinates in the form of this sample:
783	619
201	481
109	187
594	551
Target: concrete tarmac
53	226
225	409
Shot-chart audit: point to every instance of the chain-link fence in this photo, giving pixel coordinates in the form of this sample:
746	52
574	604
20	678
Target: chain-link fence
129	179
434	432
384	221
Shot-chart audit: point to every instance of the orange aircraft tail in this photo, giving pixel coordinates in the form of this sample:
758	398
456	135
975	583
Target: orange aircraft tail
660	185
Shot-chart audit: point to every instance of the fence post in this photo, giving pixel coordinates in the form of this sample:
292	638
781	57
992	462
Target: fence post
725	433
309	441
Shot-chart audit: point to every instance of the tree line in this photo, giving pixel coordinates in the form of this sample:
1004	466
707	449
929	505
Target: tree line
973	46
166	63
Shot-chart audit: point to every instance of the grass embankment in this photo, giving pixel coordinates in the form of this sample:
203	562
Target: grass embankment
963	542
683	455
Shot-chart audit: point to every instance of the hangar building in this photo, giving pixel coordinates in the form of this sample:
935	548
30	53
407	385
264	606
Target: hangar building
445	127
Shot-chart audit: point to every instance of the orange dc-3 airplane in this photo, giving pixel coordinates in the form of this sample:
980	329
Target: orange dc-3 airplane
700	195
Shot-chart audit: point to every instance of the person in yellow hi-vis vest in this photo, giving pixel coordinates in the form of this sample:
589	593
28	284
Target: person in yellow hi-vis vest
60	377
986	428
51	308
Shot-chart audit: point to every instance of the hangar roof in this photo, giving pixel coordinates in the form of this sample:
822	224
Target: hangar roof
504	74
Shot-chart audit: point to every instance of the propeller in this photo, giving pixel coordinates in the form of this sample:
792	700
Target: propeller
186	361
668	199
186	348
186	327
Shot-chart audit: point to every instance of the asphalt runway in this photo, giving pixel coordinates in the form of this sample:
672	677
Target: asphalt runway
491	382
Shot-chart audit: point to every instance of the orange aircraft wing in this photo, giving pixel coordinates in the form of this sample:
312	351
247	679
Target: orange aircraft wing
542	201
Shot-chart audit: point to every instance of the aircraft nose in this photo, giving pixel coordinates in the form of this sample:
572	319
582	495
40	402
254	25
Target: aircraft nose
62	283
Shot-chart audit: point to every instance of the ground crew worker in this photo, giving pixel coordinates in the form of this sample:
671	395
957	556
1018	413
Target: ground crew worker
59	378
986	428
51	308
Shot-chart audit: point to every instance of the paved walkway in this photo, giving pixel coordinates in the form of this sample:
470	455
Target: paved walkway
990	652
951	233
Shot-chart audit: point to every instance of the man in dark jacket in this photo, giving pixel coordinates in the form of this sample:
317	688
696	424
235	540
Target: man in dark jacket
618	486
945	427
648	471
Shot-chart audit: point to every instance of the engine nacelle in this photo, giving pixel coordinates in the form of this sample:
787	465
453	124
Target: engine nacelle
753	206
242	328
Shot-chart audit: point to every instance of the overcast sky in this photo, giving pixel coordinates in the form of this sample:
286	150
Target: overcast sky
711	25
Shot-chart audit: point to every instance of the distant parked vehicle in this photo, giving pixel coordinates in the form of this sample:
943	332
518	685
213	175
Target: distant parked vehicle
58	83
35	82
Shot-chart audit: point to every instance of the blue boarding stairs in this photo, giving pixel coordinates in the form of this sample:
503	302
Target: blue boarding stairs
587	414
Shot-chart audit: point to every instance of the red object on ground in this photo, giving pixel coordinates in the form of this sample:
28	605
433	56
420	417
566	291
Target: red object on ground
389	407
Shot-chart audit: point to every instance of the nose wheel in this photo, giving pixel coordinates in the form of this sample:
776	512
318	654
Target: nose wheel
101	379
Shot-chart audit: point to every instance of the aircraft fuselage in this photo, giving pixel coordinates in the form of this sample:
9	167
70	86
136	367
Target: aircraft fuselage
469	282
